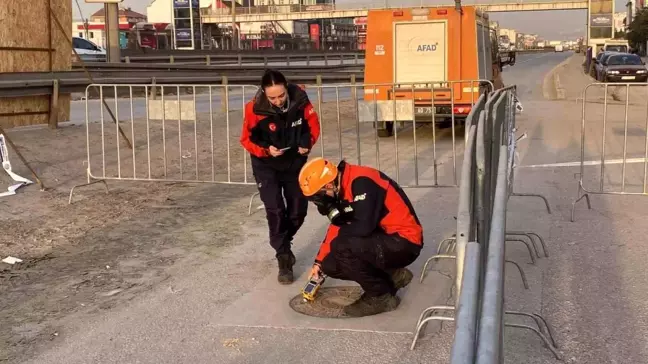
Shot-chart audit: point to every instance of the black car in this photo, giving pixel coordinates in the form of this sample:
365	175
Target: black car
599	61
624	67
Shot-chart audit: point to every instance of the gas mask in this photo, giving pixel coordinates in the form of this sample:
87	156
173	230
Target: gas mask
338	212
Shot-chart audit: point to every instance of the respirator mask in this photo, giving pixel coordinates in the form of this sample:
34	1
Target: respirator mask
338	212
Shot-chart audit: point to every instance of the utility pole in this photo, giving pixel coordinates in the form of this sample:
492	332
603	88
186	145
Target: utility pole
235	35
111	21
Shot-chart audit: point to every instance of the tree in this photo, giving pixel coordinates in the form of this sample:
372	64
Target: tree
638	29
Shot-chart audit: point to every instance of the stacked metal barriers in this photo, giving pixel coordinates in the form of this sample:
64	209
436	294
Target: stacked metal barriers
479	244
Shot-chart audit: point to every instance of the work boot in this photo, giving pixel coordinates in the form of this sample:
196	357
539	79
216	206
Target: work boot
372	305
286	262
401	277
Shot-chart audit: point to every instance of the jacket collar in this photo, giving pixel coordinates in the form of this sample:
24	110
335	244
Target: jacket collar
297	98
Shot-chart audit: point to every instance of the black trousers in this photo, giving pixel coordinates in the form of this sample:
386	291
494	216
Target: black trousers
368	260
284	217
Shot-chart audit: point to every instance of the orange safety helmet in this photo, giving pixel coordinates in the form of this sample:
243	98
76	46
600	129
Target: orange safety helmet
315	174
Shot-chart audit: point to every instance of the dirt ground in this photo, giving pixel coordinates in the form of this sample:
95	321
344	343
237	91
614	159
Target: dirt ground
107	248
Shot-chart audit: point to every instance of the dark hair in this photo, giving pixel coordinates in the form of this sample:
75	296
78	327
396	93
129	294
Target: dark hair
273	77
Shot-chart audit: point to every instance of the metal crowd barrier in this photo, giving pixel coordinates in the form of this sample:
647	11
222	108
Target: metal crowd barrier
633	127
190	133
478	245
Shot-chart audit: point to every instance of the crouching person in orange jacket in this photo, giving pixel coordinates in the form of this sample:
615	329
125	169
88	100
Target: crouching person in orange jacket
374	232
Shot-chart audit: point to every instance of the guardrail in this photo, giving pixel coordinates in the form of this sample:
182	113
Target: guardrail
633	125
239	58
44	83
242	58
286	67
479	243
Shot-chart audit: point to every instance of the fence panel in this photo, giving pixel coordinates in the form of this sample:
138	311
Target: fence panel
190	133
614	139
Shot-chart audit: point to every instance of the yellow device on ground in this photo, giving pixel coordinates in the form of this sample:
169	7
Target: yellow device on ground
310	289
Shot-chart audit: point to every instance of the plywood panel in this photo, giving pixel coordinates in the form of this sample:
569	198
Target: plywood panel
23	24
31	104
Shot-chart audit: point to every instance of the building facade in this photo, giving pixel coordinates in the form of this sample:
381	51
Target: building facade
619	21
95	29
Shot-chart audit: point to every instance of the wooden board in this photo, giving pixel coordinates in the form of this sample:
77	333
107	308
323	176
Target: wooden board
23	24
31	104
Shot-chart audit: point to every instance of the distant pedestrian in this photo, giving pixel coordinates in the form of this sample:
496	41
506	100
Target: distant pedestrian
280	128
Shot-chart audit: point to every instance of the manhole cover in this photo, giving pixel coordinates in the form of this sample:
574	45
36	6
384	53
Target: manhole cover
328	303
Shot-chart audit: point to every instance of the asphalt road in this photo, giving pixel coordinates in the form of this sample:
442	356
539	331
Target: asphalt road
136	107
232	311
531	66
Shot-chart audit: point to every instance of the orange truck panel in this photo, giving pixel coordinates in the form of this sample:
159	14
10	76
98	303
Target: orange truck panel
410	52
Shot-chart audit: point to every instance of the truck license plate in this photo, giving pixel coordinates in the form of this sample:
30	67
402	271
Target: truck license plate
424	110
628	77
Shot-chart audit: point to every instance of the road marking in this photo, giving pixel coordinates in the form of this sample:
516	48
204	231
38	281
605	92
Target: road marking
586	163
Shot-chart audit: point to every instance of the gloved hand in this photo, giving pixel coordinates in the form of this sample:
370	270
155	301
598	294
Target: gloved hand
324	203
346	214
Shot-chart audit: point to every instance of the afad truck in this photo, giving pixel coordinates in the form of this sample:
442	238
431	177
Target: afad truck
415	59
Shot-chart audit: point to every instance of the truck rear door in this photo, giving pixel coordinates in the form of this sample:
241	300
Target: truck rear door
420	52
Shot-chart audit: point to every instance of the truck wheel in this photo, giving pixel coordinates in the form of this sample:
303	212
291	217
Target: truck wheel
387	131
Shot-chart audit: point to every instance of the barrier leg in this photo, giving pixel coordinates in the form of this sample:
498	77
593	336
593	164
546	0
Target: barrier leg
87	184
423	323
431	310
524	279
542	336
250	204
528	245
510	235
538	320
530	235
444	241
438	256
536	196
451	247
589	205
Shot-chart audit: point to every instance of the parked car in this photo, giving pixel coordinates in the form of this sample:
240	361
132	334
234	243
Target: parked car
624	67
88	51
559	48
598	64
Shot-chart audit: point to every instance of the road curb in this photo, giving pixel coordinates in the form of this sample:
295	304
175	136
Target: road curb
551	83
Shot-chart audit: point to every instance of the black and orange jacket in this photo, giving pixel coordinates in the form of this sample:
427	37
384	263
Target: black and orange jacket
265	125
378	203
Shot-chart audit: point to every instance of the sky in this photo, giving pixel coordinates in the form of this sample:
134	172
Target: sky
550	25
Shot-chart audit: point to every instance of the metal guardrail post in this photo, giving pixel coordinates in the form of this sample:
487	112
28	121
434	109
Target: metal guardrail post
208	60
318	82
224	100
171	59
54	105
127	59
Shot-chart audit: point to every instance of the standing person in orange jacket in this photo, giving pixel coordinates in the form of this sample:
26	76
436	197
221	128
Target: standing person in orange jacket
280	128
374	232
